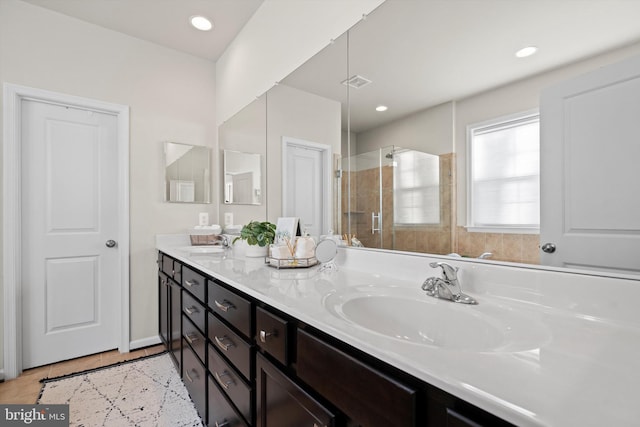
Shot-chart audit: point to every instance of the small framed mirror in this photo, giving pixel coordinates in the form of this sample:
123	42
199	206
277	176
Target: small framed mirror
187	173
242	178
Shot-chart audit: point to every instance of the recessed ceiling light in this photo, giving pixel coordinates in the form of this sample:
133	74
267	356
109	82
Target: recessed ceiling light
526	51
382	108
201	23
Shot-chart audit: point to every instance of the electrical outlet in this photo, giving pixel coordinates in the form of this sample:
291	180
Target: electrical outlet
228	218
203	218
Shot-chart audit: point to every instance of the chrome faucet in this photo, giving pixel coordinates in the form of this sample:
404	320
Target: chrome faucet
221	240
446	287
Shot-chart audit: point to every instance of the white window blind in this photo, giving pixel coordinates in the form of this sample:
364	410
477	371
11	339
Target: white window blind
416	188
504	178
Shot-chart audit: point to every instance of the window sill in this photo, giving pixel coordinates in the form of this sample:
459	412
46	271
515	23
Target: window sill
503	230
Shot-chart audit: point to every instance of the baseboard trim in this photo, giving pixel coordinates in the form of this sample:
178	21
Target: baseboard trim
145	342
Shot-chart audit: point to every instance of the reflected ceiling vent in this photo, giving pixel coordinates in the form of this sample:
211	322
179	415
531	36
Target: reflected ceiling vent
356	81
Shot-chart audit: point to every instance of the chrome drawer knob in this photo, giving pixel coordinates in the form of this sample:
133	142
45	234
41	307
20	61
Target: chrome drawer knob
264	335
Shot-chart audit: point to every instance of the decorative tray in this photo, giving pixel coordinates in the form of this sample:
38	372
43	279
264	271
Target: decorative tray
291	262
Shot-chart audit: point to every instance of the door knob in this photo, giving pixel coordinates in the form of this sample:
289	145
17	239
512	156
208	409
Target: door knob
111	243
548	248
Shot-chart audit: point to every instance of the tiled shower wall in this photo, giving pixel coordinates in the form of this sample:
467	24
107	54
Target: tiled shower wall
443	238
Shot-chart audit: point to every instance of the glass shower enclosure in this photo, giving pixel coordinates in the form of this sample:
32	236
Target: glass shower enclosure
391	198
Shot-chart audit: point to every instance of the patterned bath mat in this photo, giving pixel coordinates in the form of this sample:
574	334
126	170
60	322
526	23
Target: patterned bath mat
142	392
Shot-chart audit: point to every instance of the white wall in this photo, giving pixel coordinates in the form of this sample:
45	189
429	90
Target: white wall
278	38
171	96
430	131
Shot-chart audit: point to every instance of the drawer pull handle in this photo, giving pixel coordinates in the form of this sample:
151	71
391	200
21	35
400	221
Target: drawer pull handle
264	335
191	283
225	384
195	375
223	423
191	338
224	305
191	310
222	345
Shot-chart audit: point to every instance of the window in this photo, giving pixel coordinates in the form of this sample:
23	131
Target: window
504	174
416	188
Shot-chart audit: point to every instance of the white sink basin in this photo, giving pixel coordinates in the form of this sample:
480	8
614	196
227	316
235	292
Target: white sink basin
203	249
412	316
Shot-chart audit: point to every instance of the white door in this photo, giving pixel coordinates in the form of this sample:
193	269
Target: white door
70	275
590	170
304	188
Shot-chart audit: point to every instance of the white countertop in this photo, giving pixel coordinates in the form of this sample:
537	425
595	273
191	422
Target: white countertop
584	369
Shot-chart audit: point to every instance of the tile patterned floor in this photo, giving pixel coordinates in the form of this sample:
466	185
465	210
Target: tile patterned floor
26	388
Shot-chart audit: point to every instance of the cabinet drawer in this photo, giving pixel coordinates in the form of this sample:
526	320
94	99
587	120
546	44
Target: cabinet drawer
363	393
281	402
455	419
231	307
193	310
221	413
167	265
194	378
193	336
271	334
193	282
230	382
234	348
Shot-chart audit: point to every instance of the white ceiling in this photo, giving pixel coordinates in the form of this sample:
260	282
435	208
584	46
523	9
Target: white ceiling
164	22
421	53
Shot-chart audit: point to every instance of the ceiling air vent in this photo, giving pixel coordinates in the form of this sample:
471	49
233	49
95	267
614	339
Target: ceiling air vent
356	81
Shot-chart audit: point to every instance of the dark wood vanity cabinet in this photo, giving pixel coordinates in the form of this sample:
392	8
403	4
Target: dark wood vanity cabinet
364	393
231	356
283	403
170	300
194	345
245	364
165	308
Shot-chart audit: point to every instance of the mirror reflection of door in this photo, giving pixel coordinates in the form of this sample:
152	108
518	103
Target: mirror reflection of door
242	178
305	186
242	188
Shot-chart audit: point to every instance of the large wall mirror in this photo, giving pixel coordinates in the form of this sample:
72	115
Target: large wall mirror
187	173
420	73
243	144
242	178
439	67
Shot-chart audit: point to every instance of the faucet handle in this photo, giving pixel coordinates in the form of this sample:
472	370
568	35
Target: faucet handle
448	271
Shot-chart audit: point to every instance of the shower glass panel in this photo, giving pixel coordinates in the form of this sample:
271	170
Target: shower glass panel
368	202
